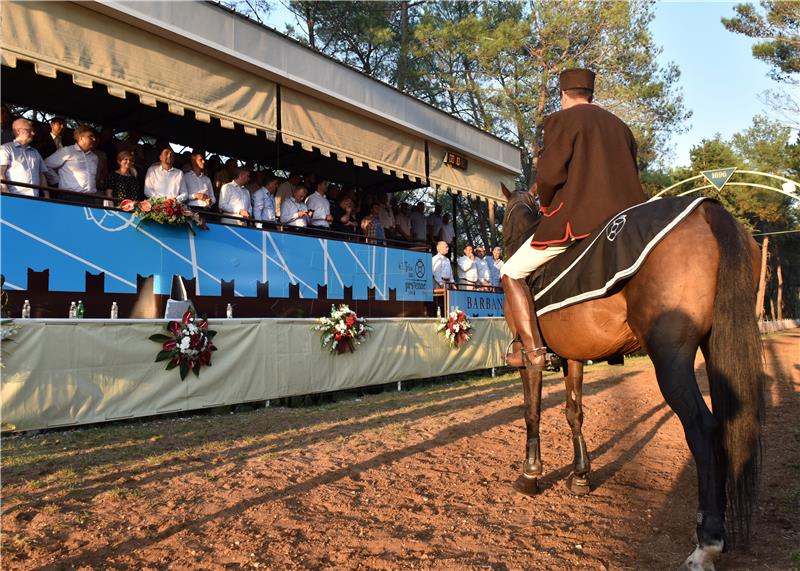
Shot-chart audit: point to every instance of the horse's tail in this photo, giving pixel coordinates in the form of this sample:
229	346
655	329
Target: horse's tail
735	368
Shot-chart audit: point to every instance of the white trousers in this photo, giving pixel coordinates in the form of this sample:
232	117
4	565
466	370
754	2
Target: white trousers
526	259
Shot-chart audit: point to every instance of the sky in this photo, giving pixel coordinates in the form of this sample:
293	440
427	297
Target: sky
720	79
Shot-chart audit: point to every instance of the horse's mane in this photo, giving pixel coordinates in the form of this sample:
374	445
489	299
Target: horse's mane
520	221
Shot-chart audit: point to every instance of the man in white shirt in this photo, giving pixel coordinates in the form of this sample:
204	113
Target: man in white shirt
467	269
234	198
442	270
447	233
264	198
387	216
164	180
196	185
320	206
286	191
484	277
20	162
419	225
434	223
294	211
76	164
495	265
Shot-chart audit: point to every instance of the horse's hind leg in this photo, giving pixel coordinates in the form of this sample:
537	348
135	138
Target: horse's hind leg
673	352
578	480
532	468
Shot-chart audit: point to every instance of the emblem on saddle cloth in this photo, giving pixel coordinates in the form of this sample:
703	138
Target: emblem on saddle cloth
592	267
615	227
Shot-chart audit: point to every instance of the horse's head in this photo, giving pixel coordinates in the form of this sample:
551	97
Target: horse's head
520	219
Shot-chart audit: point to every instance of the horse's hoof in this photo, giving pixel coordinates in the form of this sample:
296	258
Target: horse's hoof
702	558
578	485
528	485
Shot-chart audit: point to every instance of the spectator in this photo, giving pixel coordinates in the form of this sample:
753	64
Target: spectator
403	223
447	233
387	216
55	139
484	277
434	223
20	162
226	174
264	198
442	270
76	164
234	198
495	265
467	269
419	226
320	206
371	224
122	183
164	180
6	131
286	191
197	185
294	211
343	219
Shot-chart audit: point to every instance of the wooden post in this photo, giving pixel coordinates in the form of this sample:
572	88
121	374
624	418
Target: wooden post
762	279
780	288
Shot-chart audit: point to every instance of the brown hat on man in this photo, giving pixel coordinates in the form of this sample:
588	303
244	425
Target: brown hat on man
576	78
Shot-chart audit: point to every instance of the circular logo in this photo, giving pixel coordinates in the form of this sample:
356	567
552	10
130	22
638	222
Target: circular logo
615	227
419	269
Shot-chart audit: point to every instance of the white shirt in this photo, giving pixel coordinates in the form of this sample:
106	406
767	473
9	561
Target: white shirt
442	270
494	269
387	217
169	184
321	207
234	198
289	211
447	233
192	184
77	171
467	270
24	164
264	205
418	226
284	193
403	223
483	269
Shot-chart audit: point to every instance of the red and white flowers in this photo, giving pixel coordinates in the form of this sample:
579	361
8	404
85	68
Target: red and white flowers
163	211
455	327
188	344
342	330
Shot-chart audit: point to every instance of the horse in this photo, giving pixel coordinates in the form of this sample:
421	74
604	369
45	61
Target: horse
696	289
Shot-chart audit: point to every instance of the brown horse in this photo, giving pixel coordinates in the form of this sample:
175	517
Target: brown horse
695	290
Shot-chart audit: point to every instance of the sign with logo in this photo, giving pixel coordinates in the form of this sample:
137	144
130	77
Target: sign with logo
417	280
719	177
477	303
615	227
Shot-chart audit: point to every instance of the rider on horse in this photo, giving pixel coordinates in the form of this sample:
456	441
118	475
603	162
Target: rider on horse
586	174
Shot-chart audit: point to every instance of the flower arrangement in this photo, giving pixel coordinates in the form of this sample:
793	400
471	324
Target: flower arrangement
455	327
342	330
188	345
163	211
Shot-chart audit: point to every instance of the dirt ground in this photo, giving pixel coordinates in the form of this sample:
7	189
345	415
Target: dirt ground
420	479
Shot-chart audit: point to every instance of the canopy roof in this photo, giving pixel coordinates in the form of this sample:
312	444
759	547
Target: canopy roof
197	59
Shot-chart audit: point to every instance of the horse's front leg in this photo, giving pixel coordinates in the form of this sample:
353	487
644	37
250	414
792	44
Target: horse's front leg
532	468
578	480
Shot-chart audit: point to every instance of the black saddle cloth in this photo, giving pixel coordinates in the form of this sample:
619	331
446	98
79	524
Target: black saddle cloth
594	266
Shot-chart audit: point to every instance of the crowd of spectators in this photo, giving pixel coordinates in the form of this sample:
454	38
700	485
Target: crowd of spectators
101	166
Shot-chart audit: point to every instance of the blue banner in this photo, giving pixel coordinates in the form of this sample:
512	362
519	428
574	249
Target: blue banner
71	240
477	303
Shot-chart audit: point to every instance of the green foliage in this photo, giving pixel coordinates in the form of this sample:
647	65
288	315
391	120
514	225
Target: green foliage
779	28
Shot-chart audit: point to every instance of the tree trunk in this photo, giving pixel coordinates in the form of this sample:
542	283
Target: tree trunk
310	25
762	278
779	303
402	64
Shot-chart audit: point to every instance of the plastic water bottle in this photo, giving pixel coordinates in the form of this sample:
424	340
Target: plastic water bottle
80	310
114	310
438	312
26	310
73	310
229	311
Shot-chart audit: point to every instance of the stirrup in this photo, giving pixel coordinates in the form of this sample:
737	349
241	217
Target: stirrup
526	355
